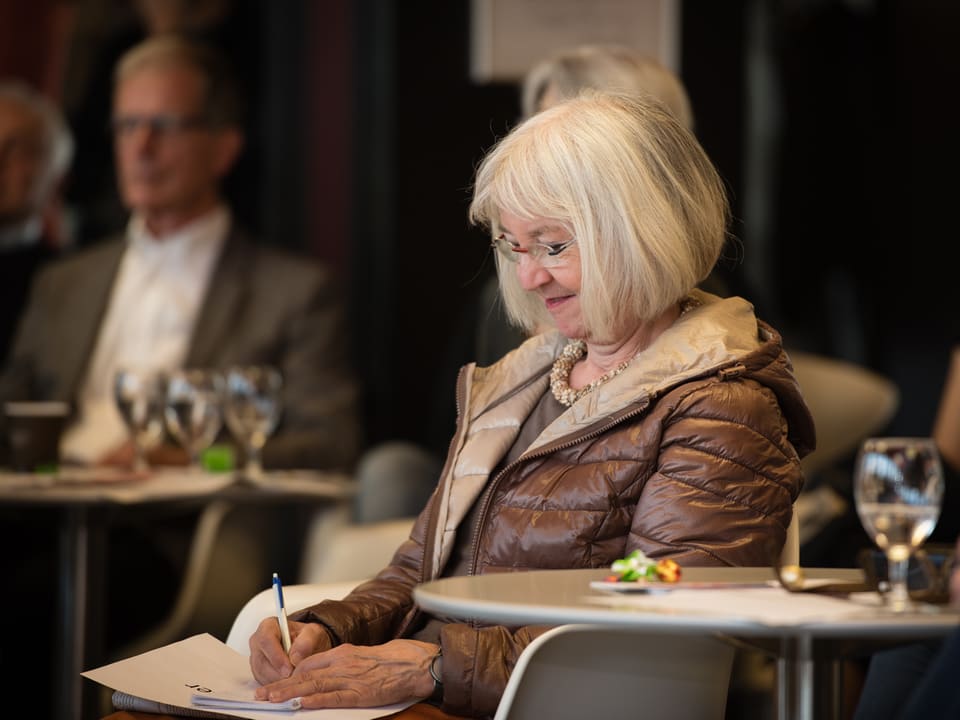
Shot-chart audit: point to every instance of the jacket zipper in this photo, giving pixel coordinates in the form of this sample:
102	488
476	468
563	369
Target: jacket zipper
485	499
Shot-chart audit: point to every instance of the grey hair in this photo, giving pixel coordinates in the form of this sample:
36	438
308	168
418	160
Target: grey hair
58	145
605	67
632	184
223	102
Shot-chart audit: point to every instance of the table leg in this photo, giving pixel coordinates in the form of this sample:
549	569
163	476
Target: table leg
795	679
79	613
71	622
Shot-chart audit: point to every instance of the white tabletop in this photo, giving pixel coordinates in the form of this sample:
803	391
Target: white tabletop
748	605
746	601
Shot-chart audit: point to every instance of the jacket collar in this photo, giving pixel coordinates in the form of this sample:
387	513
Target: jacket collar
718	333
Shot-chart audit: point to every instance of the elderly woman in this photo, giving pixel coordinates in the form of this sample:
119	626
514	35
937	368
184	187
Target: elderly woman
654	416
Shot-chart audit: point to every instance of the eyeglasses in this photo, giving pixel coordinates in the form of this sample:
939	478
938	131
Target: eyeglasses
156	124
547	255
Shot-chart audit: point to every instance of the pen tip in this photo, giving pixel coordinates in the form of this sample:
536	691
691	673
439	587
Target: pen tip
275	577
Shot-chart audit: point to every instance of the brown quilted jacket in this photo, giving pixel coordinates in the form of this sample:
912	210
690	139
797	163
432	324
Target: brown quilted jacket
691	453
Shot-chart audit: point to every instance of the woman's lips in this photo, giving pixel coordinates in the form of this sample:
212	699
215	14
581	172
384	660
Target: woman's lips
555	302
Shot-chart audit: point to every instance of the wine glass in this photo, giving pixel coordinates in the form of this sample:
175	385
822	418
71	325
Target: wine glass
252	409
898	488
192	410
139	398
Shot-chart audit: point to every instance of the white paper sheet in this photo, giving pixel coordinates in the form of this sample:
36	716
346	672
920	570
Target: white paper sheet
171	674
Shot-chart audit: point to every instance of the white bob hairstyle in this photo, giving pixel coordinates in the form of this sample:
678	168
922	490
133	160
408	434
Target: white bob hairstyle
630	183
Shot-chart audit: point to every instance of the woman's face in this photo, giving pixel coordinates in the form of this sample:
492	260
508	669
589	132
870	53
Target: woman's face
558	285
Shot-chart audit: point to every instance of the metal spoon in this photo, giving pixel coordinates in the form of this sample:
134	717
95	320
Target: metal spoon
793	579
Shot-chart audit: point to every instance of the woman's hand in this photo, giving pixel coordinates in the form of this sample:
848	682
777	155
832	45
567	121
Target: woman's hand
269	661
358	676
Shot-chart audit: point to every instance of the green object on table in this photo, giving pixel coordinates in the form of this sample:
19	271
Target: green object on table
218	458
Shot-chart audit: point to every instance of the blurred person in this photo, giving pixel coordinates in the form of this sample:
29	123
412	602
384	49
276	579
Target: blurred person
603	67
102	31
36	148
917	681
654	416
184	285
936	694
946	435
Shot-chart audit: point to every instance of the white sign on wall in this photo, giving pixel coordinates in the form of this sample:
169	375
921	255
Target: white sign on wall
509	36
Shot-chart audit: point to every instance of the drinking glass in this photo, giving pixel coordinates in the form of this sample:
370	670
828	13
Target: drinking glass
898	489
192	410
139	398
251	408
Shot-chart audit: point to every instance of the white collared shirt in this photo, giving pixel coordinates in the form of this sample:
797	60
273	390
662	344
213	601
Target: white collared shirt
148	323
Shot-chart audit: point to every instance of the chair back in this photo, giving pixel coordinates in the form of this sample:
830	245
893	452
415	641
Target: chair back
588	671
337	549
848	402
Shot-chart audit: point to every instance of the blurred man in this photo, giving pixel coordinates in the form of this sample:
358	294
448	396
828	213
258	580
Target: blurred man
184	286
35	152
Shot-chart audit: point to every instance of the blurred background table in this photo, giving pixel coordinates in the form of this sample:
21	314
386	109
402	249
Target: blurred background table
83	499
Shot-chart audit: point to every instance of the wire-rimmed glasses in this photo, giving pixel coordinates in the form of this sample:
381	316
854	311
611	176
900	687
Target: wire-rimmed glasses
546	255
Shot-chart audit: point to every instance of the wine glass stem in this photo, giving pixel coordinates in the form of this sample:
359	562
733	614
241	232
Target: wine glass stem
254	466
139	457
897	574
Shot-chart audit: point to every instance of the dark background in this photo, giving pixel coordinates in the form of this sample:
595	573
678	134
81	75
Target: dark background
831	122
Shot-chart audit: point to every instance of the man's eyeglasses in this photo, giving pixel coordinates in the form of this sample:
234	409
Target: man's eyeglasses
547	255
156	124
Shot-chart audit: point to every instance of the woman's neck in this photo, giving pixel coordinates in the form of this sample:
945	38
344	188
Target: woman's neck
605	357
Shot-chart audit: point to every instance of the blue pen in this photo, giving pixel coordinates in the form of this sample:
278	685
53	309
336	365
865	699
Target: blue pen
281	612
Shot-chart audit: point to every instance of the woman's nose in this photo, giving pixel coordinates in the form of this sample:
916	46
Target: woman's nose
531	273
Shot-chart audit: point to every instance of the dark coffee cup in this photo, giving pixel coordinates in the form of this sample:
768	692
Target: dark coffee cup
33	433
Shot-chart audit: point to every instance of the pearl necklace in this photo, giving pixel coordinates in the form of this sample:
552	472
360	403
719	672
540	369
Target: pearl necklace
563	366
571	354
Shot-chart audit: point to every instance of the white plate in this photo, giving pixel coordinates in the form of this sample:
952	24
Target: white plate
646	586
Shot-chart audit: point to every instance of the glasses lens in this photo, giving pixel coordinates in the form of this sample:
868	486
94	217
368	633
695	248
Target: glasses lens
548	256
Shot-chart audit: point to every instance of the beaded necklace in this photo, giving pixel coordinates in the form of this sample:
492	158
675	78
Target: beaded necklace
571	354
563	366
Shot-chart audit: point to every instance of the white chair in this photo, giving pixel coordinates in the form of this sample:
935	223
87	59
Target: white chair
849	403
589	671
339	555
263	605
336	549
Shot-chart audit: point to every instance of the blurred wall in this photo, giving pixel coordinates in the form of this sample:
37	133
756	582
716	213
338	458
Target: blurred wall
829	120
